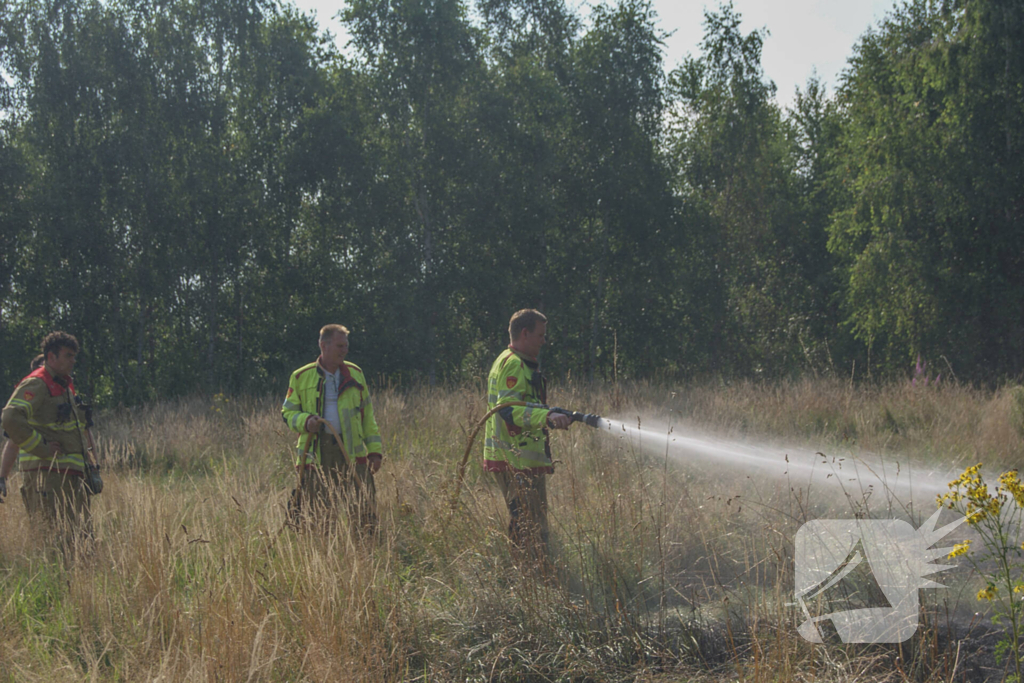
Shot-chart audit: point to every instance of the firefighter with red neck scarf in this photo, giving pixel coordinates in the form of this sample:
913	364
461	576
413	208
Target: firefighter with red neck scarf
48	422
516	447
333	391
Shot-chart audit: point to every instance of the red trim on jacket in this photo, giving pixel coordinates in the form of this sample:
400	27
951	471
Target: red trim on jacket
346	375
55	387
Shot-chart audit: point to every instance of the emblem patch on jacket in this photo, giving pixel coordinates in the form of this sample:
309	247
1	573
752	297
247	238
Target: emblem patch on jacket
511	382
29	396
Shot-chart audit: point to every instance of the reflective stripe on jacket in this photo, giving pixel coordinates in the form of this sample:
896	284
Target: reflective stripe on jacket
34	417
305	398
516	438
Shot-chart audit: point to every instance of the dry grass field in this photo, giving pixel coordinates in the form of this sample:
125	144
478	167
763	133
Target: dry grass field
667	570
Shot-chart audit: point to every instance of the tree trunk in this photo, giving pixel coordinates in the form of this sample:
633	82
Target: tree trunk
239	363
211	345
140	341
598	301
423	210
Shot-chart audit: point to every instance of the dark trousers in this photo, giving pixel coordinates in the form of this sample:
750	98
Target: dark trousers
61	503
338	484
526	496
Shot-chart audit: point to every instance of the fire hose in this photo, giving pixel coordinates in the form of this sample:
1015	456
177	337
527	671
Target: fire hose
589	420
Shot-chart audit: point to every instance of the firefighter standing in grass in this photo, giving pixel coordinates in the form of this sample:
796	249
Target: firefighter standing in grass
10	452
48	423
333	391
516	447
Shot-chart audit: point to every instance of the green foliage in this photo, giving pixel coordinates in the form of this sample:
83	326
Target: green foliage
194	188
1017	409
929	162
996	518
741	162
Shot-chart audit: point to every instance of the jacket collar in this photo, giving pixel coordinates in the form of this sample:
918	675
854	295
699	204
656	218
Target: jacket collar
531	363
346	375
56	385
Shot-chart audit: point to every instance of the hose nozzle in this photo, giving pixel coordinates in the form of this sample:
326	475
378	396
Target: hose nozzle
586	418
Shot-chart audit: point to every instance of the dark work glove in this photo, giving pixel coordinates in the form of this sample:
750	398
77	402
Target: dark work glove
93	482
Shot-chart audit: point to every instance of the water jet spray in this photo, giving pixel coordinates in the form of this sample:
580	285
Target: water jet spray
854	471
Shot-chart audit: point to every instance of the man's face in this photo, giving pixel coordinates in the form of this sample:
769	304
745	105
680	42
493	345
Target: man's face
334	350
61	363
530	342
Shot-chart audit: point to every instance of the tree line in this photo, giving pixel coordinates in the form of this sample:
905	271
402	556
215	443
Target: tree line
193	187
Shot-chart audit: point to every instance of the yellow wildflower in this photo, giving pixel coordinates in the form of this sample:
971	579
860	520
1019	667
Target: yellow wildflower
960	549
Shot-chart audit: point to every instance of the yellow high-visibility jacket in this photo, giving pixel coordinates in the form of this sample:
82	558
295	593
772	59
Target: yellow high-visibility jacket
516	438
305	398
41	410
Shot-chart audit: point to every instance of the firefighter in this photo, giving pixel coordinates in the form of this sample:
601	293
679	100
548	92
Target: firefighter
10	452
332	391
48	423
516	447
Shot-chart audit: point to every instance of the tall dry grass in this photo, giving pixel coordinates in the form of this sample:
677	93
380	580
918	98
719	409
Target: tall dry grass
664	571
947	421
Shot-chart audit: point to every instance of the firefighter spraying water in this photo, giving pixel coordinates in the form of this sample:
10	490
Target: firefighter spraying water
587	419
858	474
517	450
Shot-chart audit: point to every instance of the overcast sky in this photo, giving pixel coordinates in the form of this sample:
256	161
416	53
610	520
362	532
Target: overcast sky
806	35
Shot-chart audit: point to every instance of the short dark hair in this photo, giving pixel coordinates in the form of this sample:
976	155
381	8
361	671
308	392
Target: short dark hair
327	332
55	341
525	319
37	362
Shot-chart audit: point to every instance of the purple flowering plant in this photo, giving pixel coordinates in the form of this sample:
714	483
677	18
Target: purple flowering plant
921	374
